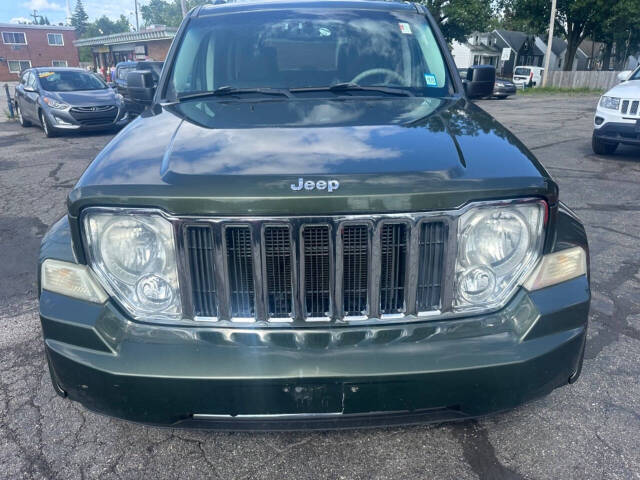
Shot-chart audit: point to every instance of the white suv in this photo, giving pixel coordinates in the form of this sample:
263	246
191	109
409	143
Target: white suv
617	118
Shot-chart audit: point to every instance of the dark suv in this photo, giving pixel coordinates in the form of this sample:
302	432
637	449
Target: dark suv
312	227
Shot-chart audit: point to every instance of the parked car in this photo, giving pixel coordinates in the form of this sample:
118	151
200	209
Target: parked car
503	88
120	81
529	76
66	99
617	118
312	227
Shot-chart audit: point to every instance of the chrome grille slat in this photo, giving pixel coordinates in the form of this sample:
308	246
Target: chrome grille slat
317	282
300	270
393	268
240	271
277	271
625	106
431	264
201	263
355	259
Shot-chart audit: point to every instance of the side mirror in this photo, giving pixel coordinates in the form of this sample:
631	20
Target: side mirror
140	87
27	88
623	76
480	81
111	84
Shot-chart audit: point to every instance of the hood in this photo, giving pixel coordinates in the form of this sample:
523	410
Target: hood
247	158
630	89
85	98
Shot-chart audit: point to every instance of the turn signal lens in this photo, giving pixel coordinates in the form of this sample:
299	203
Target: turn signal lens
72	280
558	267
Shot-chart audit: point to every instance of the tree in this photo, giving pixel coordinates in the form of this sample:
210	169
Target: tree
79	18
105	26
459	18
161	12
576	19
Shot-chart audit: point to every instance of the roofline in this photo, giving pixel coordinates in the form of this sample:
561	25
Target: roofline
165	33
37	27
220	5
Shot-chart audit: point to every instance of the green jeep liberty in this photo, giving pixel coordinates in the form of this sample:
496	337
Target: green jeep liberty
312	227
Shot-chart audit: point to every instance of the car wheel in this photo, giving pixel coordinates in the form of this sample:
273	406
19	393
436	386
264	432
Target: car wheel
23	123
48	130
602	148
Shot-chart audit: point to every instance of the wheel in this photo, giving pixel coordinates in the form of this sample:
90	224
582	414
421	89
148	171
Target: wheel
23	123
48	130
601	147
501	97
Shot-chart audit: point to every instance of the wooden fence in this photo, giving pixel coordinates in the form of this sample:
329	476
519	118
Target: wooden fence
587	79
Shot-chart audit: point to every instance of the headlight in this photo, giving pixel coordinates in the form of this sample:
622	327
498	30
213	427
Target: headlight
54	103
119	97
499	84
133	255
612	103
497	247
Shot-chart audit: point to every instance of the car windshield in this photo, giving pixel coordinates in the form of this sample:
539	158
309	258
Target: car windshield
522	71
69	81
635	75
292	49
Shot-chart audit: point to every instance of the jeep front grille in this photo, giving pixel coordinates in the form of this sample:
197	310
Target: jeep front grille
301	270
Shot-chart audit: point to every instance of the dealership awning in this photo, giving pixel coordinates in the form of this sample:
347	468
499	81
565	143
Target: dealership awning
158	33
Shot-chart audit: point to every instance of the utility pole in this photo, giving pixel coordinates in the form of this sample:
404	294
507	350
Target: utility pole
184	8
35	16
547	60
135	3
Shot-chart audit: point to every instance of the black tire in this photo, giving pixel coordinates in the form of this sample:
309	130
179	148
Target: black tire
23	123
601	147
48	130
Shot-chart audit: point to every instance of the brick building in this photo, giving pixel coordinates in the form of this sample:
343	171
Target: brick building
24	46
150	44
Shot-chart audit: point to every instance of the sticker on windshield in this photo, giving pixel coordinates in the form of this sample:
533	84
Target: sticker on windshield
45	74
430	79
405	28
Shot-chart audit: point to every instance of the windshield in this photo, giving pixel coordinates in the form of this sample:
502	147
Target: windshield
69	81
522	71
635	75
300	48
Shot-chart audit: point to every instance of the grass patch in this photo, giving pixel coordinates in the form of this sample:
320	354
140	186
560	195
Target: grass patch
558	90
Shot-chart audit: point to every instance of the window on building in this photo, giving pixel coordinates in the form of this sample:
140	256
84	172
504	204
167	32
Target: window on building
16	66
59	63
14	38
55	39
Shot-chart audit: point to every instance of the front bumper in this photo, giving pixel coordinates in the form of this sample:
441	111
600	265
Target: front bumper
316	377
504	91
64	120
618	132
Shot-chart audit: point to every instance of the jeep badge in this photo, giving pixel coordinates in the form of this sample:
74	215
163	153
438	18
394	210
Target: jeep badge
329	185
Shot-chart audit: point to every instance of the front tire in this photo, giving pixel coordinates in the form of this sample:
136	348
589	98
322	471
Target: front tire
48	130
23	123
601	147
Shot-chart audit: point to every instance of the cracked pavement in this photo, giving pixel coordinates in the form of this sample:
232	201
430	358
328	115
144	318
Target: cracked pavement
589	430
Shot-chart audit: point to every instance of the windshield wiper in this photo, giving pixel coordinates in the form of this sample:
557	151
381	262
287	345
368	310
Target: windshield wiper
354	87
229	90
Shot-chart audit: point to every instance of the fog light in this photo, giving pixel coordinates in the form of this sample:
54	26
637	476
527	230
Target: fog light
72	280
154	291
476	284
558	267
599	120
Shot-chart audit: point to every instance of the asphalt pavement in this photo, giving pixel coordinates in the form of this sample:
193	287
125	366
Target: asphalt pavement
589	430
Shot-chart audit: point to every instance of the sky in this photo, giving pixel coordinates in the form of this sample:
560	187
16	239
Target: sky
16	10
